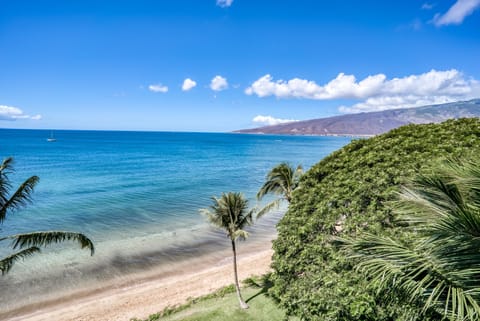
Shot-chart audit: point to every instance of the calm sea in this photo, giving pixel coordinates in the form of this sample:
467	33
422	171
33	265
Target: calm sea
137	195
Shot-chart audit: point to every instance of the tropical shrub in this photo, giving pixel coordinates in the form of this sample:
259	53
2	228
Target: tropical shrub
439	267
347	194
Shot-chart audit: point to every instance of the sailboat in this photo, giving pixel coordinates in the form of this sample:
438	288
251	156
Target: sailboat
51	138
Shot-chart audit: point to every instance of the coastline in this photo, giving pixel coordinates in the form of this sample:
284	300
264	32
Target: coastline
151	293
242	132
142	215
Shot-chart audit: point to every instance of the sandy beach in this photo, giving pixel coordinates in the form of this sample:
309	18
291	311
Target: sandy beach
152	294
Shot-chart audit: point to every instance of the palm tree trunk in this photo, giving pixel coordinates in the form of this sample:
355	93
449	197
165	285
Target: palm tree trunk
243	305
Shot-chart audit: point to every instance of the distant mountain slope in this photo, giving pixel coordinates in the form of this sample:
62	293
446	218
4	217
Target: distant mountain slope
374	123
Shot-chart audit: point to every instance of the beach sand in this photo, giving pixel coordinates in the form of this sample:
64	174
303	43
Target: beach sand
152	293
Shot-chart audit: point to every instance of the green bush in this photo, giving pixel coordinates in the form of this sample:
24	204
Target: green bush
348	193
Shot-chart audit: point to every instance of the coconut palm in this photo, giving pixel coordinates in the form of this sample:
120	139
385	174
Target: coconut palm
438	268
282	180
230	212
29	243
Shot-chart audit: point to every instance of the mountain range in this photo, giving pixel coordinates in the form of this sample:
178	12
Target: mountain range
373	123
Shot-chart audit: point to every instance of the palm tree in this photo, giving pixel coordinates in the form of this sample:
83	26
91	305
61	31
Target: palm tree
282	180
438	267
230	212
29	243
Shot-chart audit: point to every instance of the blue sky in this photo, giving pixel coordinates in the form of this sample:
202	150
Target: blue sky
121	64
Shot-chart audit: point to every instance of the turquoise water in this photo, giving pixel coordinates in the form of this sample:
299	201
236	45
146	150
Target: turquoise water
136	194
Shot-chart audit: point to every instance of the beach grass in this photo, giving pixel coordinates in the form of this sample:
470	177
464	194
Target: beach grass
223	305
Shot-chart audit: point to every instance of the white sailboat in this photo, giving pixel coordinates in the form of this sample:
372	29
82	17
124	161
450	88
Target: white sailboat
51	138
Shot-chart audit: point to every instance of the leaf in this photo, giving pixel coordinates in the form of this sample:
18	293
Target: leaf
7	262
39	239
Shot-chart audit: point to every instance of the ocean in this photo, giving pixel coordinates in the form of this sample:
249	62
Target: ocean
137	195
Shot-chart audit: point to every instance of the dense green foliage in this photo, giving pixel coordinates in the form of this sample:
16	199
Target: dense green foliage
440	267
346	194
27	244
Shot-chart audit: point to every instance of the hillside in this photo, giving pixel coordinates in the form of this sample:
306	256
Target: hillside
374	123
347	193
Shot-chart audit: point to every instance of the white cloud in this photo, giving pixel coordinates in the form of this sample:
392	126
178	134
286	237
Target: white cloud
218	83
395	102
270	121
14	113
224	3
159	88
188	84
456	13
376	91
343	86
428	6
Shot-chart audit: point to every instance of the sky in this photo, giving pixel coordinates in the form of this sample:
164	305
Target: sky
222	65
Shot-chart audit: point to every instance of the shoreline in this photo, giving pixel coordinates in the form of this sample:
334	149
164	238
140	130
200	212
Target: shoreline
305	134
152	292
70	275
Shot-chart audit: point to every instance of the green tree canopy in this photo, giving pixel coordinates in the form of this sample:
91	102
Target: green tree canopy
439	267
347	194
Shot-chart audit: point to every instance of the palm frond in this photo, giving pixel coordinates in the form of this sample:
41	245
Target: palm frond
248	218
281	180
241	234
269	207
215	220
7	262
429	196
6	166
436	205
298	174
394	266
42	239
278	181
229	212
28	243
20	198
467	176
5	185
440	267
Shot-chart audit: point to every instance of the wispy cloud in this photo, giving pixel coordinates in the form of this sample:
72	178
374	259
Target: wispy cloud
416	24
158	88
14	113
457	13
188	84
270	121
224	3
428	6
376	91
219	83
